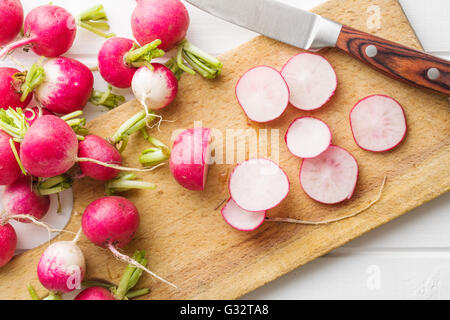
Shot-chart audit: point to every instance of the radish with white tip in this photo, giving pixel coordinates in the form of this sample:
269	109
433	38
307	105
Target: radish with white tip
241	219
311	79
263	94
308	137
258	185
331	177
378	123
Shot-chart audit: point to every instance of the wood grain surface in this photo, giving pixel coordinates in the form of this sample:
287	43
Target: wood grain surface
186	238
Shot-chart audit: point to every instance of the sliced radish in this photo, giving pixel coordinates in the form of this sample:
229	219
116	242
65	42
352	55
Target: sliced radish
331	177
308	137
263	94
241	219
378	123
258	185
311	80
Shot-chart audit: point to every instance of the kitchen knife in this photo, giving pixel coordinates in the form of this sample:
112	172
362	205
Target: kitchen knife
310	31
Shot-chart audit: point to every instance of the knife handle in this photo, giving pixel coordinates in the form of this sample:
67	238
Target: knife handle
397	61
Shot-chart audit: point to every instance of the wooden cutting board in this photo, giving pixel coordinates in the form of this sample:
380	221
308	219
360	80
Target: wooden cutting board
186	238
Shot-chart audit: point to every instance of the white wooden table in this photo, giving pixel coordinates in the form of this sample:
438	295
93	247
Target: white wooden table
406	259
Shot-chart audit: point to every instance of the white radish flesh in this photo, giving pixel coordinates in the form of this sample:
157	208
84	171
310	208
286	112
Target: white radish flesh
263	94
241	219
258	185
378	123
311	80
331	177
308	137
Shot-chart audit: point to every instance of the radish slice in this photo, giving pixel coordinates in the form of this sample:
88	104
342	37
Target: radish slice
263	94
258	185
241	219
311	80
331	177
378	123
308	137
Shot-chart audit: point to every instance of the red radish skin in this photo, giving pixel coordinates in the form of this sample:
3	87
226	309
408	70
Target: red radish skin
241	219
62	267
263	94
8	243
155	19
331	177
20	199
190	158
156	88
311	79
258	185
50	31
9	92
308	137
111	62
49	147
11	12
9	168
95	293
97	148
378	123
32	114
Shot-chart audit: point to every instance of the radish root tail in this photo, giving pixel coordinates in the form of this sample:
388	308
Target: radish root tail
117	167
36	222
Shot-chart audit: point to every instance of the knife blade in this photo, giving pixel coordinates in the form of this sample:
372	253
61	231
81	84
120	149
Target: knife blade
307	30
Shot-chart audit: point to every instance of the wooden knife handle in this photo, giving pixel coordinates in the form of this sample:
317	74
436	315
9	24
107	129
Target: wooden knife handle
400	62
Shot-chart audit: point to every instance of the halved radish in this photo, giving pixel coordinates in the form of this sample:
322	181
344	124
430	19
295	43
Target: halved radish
241	219
263	94
258	185
311	80
331	177
378	123
308	137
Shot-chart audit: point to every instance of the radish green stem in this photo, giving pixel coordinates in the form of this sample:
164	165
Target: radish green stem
16	155
143	56
54	185
33	293
95	20
138	293
106	99
72	115
77	124
34	77
132	125
155	155
97	284
13	122
53	296
125	182
173	66
124	284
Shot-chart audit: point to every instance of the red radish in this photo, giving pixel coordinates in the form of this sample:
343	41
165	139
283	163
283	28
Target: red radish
331	177
62	267
9	168
11	12
263	94
378	123
241	219
19	198
311	80
165	20
190	156
258	185
95	293
49	30
32	114
98	148
49	147
308	137
10	90
8	242
155	89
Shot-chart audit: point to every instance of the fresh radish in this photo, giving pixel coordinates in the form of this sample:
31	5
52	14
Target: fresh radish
98	148
10	90
62	85
258	185
155	88
95	293
190	158
378	123
241	219
8	242
311	80
308	137
331	177
263	94
9	168
32	114
11	12
20	198
165	20
62	267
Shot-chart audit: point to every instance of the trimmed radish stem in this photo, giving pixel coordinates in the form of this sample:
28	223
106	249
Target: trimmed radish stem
10	90
263	94
95	20
241	219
